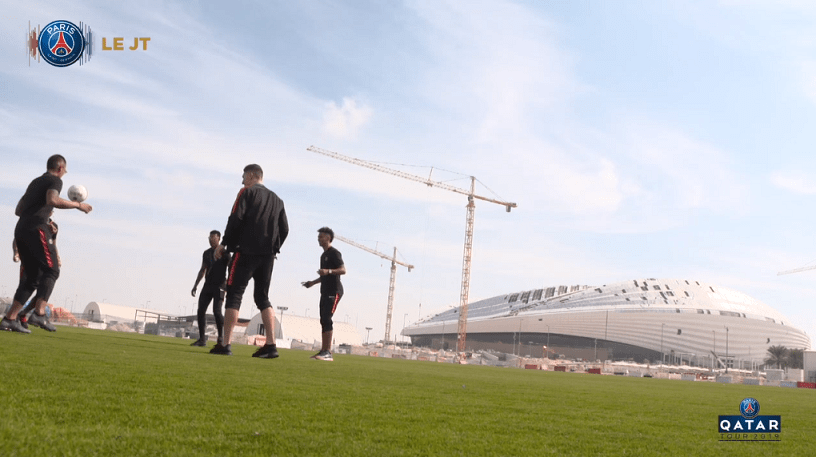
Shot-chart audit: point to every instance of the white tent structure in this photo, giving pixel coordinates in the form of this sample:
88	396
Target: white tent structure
5	304
108	313
304	329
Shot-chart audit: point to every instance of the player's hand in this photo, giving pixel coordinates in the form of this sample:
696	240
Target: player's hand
85	208
59	262
194	291
219	252
16	257
306	284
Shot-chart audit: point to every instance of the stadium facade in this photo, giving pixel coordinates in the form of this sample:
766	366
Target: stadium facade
679	321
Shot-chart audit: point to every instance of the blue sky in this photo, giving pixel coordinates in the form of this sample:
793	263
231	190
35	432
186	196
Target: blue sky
639	139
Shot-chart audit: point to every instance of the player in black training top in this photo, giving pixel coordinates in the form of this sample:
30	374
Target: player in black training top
214	272
22	316
256	230
331	289
35	244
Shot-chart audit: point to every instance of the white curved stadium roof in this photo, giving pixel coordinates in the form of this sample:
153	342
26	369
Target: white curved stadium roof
645	294
662	315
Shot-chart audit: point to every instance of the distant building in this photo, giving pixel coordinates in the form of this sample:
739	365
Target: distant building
5	304
304	329
809	365
108	313
680	321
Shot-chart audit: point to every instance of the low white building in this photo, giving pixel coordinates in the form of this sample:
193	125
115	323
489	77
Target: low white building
110	313
809	359
5	304
304	329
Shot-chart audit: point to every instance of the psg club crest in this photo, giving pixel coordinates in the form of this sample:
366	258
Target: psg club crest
749	408
61	43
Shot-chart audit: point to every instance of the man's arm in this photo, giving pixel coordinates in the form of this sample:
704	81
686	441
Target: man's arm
234	223
56	250
308	284
52	198
339	271
323	272
16	257
283	227
54	230
201	274
18	211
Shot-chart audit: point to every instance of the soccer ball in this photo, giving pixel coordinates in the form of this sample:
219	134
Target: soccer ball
77	193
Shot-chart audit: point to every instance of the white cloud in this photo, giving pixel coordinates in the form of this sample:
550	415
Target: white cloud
794	182
497	65
346	120
684	172
808	75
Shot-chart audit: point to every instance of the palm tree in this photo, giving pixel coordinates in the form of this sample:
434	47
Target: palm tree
778	356
796	358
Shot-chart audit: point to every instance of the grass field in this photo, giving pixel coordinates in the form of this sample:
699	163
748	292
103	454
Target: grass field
81	392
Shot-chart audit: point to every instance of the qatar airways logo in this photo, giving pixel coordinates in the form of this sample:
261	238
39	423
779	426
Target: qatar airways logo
749	425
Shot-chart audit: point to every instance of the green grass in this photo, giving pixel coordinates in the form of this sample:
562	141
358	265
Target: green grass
82	392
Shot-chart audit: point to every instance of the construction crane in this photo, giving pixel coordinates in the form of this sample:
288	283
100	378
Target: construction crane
796	270
394	263
471	195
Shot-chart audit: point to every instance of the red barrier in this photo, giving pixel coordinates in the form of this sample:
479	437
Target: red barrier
594	371
806	385
260	340
561	368
530	367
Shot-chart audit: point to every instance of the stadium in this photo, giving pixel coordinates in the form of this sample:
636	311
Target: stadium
672	320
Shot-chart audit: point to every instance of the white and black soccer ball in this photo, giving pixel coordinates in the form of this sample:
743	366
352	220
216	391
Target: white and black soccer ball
77	193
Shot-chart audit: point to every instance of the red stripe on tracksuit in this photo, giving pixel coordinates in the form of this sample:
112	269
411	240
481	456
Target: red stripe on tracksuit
336	301
232	268
235	205
44	241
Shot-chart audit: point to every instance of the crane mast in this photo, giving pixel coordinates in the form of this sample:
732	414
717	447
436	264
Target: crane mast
466	260
796	270
465	291
391	284
391	298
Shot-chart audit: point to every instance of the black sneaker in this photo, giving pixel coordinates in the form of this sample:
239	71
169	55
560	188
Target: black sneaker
41	321
267	351
23	321
325	356
13	326
200	343
221	349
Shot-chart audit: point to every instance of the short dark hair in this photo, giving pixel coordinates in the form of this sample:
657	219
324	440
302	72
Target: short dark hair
55	161
254	169
216	232
327	231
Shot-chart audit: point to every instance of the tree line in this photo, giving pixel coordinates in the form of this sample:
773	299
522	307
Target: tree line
782	357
